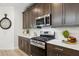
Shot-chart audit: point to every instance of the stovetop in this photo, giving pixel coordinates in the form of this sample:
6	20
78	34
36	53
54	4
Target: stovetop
42	38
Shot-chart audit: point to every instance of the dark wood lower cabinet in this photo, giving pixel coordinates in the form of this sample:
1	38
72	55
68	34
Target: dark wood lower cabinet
24	45
54	50
71	52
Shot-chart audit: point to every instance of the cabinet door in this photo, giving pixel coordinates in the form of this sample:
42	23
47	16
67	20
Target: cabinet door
46	8
27	48
69	14
24	45
33	15
70	52
60	51
37	10
29	19
40	9
51	51
32	18
24	20
57	14
21	43
77	13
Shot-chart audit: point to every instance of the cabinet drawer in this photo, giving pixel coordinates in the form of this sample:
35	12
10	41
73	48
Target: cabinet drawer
61	51
71	52
53	50
54	47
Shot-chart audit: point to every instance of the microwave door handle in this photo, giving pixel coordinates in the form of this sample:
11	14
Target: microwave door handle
44	21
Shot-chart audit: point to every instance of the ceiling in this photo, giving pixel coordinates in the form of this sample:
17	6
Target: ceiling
20	6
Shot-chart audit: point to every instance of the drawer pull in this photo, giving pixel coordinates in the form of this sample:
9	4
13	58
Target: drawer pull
59	49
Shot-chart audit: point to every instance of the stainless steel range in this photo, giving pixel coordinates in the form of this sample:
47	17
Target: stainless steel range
38	44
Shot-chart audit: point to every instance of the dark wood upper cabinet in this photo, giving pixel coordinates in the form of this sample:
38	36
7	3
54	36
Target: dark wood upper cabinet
32	18
29	19
39	9
46	8
63	14
77	13
34	11
57	18
66	14
24	21
69	14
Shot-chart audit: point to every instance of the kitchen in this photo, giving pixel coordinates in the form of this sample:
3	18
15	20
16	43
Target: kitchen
47	22
39	29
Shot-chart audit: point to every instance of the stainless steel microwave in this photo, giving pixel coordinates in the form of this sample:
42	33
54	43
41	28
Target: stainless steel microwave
43	20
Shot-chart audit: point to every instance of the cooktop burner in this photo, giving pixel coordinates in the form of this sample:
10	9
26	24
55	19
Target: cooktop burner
41	38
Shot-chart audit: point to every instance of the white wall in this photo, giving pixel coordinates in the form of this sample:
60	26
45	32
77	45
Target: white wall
7	36
17	26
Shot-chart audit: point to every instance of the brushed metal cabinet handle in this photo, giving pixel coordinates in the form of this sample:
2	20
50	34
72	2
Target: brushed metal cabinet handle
60	49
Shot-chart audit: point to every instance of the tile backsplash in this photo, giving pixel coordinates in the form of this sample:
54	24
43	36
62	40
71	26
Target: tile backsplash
74	31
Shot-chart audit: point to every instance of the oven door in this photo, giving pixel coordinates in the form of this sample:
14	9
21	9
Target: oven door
37	51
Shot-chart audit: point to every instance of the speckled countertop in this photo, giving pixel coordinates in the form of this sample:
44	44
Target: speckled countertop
60	43
57	42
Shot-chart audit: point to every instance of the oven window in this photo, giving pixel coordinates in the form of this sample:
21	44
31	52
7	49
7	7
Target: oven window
40	21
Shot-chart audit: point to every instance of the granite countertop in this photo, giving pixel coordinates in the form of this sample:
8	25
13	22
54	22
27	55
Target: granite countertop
60	43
